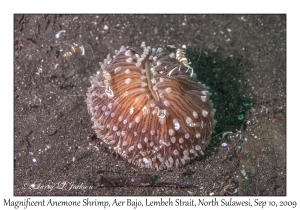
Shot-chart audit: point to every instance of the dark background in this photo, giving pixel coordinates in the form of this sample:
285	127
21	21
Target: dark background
242	58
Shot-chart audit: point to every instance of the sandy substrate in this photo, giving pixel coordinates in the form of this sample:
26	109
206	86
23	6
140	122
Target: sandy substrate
242	58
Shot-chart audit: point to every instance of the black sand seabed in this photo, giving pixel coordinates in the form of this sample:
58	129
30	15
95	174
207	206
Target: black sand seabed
242	58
